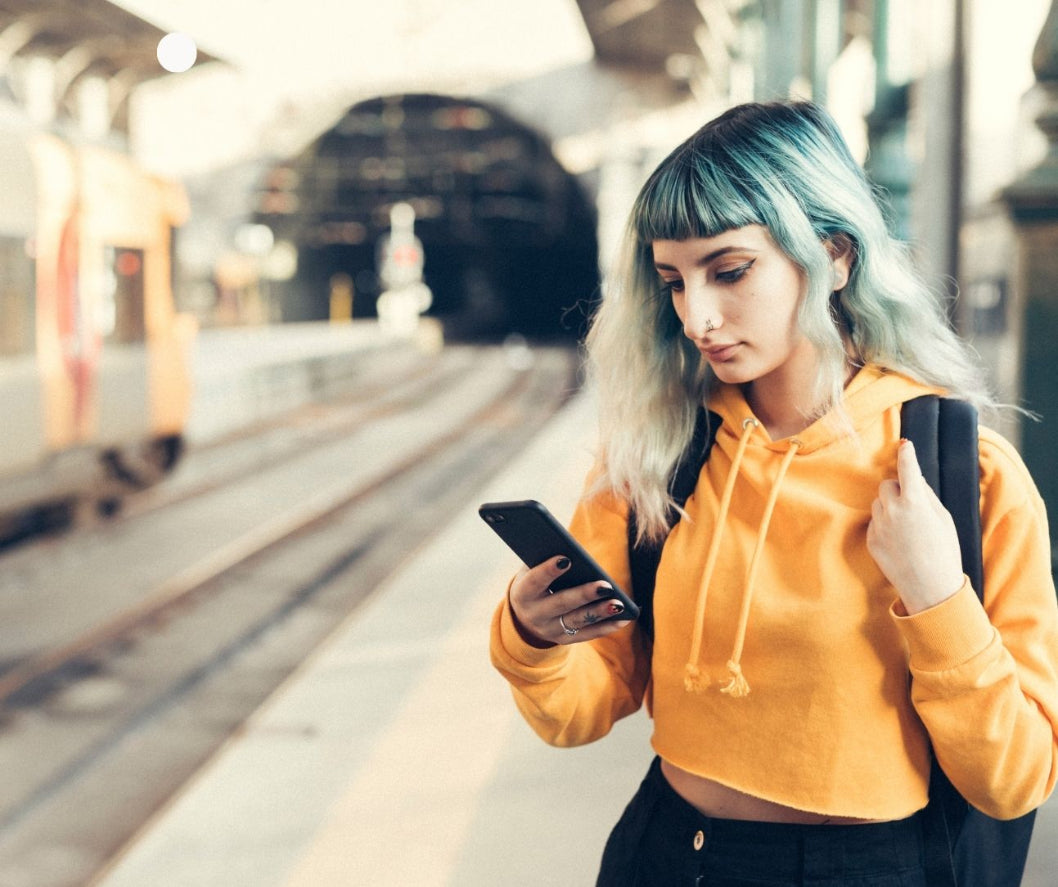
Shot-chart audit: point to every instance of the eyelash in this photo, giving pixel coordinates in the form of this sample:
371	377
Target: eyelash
723	277
735	274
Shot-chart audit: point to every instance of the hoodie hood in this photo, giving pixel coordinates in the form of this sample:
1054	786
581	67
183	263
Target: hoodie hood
870	393
870	396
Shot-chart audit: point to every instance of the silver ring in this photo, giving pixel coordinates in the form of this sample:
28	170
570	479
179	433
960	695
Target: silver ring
709	325
566	628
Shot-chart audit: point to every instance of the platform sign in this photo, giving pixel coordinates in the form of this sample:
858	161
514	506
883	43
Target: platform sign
405	297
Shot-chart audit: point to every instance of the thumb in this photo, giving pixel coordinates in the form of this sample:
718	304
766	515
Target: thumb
908	471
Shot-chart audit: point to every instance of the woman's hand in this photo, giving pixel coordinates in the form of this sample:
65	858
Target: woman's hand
912	537
563	617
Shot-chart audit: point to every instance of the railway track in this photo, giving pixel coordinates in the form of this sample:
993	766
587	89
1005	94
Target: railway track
115	714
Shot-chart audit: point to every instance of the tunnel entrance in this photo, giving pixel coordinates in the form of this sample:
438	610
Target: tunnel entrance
509	236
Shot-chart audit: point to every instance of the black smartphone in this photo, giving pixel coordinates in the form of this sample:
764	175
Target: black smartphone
533	533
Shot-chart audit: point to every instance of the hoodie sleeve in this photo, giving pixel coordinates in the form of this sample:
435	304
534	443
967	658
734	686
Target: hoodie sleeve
574	694
985	679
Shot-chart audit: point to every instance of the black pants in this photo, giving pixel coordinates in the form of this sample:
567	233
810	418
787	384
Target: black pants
662	841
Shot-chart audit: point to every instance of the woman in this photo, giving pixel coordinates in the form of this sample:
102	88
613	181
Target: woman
812	570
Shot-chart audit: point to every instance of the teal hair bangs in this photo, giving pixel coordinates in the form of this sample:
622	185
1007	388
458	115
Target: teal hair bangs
689	196
782	166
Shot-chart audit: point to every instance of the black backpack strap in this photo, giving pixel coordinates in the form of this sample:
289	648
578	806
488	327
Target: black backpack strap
944	432
643	557
960	483
920	423
984	852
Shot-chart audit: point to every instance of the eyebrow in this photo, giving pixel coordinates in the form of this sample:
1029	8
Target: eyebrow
708	257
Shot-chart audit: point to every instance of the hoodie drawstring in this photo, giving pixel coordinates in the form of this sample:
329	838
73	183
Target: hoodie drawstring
692	678
737	686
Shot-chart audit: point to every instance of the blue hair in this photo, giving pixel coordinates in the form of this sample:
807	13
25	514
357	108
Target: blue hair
784	166
744	168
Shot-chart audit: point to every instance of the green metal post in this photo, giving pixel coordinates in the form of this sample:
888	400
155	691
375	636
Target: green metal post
1032	201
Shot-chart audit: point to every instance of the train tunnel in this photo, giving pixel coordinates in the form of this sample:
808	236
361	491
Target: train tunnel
508	236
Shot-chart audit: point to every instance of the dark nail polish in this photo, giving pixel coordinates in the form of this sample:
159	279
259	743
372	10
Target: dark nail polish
616	607
562	563
604	591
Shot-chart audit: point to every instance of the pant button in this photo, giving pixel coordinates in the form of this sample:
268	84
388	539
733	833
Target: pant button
699	840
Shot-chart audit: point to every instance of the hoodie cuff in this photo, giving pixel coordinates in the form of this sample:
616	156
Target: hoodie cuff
505	631
947	635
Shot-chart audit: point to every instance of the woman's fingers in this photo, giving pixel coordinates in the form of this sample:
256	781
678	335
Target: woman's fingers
536	582
908	471
912	537
590	621
581	612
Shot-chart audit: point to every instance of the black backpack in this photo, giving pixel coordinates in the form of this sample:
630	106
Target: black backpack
965	848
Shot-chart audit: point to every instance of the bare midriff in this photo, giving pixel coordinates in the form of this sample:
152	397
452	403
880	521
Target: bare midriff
722	802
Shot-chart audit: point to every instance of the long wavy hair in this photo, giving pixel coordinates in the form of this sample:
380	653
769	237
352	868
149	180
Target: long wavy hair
784	166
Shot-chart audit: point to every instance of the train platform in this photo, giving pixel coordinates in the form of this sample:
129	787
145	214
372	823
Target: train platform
394	757
244	375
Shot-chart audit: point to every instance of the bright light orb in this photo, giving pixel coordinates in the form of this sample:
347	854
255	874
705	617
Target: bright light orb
177	52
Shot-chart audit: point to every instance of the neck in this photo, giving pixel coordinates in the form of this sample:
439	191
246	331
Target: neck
783	400
780	412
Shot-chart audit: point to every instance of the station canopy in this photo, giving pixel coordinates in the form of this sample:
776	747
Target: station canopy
646	33
87	36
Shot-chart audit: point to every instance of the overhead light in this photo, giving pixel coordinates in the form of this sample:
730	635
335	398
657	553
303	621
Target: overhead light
177	52
682	65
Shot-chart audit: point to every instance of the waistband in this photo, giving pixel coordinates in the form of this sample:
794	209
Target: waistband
821	850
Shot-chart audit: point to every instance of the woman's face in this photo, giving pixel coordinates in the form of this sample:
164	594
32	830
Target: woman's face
737	295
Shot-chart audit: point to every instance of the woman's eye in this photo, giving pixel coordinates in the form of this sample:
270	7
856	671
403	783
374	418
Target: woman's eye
734	274
673	286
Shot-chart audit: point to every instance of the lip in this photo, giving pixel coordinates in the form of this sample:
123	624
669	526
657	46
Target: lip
721	353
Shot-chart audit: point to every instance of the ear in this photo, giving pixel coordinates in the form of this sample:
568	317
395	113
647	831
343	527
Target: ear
842	254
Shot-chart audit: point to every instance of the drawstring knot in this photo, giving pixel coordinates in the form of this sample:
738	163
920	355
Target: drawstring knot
738	686
692	679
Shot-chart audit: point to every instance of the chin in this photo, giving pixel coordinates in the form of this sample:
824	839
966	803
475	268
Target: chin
733	375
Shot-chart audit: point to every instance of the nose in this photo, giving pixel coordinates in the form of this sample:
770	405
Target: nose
701	314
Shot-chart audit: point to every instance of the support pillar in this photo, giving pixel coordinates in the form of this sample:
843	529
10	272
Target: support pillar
1032	201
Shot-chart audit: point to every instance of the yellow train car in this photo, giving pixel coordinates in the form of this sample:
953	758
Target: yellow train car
94	359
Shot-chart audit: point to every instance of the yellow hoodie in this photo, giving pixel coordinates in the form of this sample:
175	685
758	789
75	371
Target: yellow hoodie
782	658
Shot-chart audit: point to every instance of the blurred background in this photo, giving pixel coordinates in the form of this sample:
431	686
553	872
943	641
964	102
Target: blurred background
287	288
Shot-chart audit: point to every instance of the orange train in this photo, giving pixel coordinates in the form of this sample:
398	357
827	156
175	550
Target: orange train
94	359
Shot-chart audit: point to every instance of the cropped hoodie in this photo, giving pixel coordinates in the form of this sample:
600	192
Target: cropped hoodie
783	664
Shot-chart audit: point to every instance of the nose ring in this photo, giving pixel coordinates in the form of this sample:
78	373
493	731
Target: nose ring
709	325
